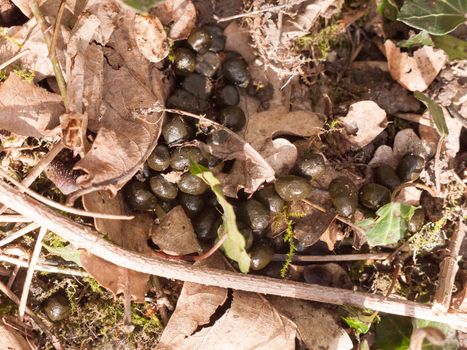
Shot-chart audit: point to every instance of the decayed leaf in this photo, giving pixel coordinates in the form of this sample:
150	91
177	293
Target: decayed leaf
151	38
315	325
436	113
234	245
309	229
132	235
250	323
74	127
436	17
281	155
364	121
180	14
414	73
195	307
175	235
263	126
390	226
27	109
12	339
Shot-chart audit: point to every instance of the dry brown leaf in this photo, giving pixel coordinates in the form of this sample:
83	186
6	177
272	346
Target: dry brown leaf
132	235
316	326
180	15
418	72
151	38
332	234
175	234
309	229
281	155
74	127
27	109
12	340
264	126
364	121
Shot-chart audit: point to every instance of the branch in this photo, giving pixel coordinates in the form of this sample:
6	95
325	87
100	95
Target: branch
84	237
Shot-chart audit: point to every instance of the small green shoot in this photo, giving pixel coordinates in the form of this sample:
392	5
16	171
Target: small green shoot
142	6
390	225
419	39
436	113
234	245
361	320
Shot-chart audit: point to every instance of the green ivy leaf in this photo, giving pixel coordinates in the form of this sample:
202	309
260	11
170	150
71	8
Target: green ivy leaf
67	253
436	113
420	39
436	17
388	9
357	325
142	6
455	48
390	225
234	245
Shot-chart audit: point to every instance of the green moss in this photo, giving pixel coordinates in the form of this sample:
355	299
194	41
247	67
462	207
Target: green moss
323	41
25	74
95	286
54	240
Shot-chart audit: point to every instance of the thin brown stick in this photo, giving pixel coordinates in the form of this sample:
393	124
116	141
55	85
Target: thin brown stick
14	218
325	258
58	21
21	232
394	194
61	207
13	275
39	167
55	341
30	272
13	59
34	6
448	269
84	237
43	266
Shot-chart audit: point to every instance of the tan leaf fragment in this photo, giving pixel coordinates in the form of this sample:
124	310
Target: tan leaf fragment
364	121
180	14
263	126
27	109
12	339
132	235
151	38
418	72
316	326
74	127
175	234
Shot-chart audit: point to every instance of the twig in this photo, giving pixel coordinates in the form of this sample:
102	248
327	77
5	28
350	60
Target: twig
18	234
323	258
61	207
13	59
58	21
338	217
13	275
43	266
34	6
448	269
84	237
55	341
39	167
394	194
30	272
20	148
14	218
257	12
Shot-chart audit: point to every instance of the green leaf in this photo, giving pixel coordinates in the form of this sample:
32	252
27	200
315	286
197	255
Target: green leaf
234	245
390	225
67	253
388	9
420	39
436	17
358	325
436	113
455	48
393	333
142	6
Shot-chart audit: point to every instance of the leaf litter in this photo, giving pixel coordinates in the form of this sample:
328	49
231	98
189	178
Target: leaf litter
117	78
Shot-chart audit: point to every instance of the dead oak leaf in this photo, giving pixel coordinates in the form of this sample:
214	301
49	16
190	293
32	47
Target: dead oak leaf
364	121
180	15
132	235
418	72
11	339
263	126
27	109
175	234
